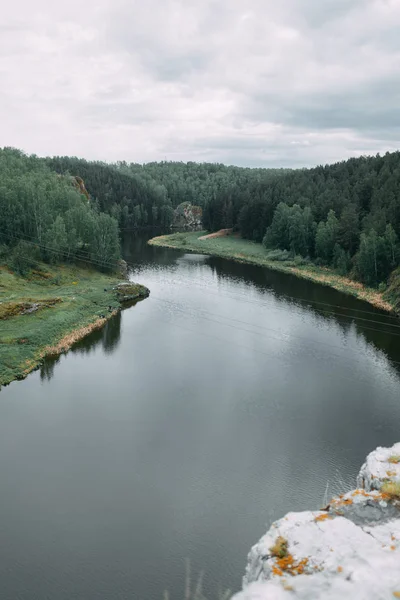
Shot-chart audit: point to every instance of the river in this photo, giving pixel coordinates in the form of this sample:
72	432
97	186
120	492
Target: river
232	395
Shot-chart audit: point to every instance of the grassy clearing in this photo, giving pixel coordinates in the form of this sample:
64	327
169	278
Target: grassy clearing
68	303
238	249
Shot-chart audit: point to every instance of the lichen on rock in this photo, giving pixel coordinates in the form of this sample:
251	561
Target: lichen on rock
350	549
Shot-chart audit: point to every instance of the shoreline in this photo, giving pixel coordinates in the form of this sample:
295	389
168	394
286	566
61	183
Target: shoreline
64	344
319	275
52	309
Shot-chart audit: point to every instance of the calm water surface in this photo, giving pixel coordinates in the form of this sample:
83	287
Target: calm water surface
197	417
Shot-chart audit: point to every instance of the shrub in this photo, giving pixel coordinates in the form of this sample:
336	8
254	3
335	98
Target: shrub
279	255
23	258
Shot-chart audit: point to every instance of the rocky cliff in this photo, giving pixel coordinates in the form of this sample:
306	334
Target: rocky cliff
188	215
349	549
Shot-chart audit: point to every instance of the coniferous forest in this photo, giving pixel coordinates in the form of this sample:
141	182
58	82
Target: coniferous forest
345	216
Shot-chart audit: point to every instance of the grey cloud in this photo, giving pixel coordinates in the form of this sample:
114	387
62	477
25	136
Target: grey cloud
327	11
254	83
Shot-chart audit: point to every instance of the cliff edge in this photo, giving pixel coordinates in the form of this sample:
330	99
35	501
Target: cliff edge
349	549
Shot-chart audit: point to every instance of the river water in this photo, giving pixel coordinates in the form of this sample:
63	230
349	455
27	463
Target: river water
232	395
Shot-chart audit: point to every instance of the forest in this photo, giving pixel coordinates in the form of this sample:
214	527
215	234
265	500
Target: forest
146	195
45	216
345	216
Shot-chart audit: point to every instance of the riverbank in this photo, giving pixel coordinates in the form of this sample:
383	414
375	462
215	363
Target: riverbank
47	312
235	248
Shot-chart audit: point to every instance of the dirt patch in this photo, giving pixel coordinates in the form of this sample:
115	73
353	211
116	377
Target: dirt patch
216	234
12	309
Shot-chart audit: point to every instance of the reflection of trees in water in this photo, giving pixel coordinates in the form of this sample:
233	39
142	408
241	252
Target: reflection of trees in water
109	337
112	334
47	368
137	252
324	302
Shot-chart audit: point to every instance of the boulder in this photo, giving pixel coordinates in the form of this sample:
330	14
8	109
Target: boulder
129	292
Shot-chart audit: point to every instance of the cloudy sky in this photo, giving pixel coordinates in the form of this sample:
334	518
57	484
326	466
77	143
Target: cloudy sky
246	82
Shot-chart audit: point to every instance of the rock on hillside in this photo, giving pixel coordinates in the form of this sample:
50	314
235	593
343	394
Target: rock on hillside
350	549
188	215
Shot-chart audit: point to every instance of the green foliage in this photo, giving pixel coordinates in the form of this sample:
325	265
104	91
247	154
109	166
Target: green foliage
341	260
292	228
346	199
44	213
326	238
23	258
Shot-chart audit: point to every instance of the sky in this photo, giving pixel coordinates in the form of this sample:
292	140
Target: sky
267	83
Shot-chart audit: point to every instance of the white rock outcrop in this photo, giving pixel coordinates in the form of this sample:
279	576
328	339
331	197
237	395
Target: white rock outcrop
350	549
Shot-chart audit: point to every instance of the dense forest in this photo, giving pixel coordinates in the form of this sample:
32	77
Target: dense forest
345	216
45	216
146	195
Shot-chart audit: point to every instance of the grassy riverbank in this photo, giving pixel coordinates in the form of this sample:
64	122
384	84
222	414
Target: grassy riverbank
48	311
235	248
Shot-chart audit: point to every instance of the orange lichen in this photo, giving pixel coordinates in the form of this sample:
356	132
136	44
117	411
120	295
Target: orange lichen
394	459
360	492
289	565
322	517
396	594
340	569
391	473
393	547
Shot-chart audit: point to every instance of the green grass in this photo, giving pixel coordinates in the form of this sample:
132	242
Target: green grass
71	298
235	248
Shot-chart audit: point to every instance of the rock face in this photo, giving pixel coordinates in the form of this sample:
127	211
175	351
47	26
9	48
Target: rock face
188	215
350	549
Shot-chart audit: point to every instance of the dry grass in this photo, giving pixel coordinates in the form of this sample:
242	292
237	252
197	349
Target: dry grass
216	234
394	459
75	336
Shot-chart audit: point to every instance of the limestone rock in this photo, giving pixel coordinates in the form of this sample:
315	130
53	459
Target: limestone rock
350	549
381	465
187	215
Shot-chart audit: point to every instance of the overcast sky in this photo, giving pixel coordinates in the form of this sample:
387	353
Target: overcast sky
246	82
